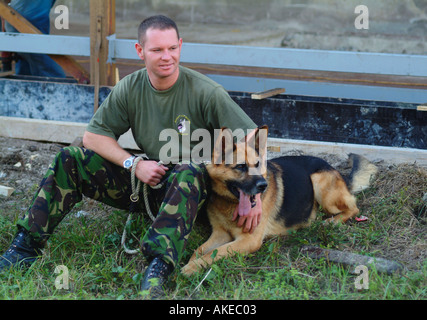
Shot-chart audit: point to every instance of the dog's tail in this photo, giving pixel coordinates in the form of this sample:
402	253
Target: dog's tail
361	173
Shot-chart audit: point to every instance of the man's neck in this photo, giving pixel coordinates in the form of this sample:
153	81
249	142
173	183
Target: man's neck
162	84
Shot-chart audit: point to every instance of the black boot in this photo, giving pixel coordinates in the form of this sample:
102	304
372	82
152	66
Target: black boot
23	251
156	275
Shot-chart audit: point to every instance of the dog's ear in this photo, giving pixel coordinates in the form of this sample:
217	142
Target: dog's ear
256	149
224	147
258	138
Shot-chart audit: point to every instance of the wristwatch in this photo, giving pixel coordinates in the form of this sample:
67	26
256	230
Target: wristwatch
127	164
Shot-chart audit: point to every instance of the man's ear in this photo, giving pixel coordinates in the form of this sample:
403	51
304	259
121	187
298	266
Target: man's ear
139	50
224	147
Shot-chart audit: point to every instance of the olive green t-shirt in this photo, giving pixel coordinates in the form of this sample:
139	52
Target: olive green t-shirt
167	120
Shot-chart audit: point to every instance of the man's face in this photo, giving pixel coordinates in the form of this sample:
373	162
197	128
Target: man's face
161	52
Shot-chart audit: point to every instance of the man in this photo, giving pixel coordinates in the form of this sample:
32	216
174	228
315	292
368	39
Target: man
163	95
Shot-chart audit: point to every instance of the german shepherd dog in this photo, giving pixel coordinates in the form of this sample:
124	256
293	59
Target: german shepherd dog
292	188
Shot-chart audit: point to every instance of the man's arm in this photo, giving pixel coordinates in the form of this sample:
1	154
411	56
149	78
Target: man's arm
108	148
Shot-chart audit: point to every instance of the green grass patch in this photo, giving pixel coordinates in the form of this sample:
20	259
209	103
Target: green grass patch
89	247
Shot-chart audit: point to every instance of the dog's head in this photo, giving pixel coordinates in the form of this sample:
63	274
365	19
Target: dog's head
238	170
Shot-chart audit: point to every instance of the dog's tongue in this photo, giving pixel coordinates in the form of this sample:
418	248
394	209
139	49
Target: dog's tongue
244	204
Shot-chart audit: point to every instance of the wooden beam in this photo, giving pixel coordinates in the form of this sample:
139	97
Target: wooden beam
273	148
24	26
378	80
52	131
103	22
6	73
267	94
16	19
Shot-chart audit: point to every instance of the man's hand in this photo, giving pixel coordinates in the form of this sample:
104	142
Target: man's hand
252	220
150	172
147	171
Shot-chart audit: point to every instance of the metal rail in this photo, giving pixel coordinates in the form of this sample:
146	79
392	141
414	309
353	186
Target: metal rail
244	56
281	58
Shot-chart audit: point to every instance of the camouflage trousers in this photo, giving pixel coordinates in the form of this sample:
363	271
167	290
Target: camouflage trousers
78	171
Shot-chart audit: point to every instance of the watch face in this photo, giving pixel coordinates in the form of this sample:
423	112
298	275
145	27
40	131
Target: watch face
128	163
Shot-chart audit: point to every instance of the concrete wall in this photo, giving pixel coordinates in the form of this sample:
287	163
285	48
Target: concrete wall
241	10
395	26
290	117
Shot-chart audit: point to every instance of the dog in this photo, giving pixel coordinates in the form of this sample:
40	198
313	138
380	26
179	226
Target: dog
291	187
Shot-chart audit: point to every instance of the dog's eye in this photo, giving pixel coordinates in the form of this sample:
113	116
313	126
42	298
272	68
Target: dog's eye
254	165
241	167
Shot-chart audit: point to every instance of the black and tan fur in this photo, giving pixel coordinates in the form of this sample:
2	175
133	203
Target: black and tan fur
292	189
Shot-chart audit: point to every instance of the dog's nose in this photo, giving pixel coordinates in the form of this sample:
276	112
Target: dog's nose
261	185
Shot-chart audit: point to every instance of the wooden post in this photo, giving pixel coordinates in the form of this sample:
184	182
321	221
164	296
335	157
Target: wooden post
103	23
95	61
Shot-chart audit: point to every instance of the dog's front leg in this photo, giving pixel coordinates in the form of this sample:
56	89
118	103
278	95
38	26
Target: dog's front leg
244	244
217	239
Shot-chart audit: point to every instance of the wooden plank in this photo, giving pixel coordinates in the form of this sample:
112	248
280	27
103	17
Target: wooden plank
307	75
24	26
66	132
273	148
6	73
42	130
6	191
267	94
52	131
72	67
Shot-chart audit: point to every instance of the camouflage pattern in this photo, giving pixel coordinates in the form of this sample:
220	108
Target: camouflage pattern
78	171
186	192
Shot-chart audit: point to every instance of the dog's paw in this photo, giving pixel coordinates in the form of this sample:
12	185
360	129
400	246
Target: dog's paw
189	269
336	220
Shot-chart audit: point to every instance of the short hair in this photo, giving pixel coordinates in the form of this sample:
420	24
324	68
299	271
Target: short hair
159	22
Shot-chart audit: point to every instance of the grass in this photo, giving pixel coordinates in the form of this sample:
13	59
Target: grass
89	246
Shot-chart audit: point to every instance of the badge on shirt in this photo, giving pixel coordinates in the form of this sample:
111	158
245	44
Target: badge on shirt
182	124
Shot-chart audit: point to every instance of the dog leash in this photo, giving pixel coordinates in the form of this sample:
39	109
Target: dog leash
134	198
